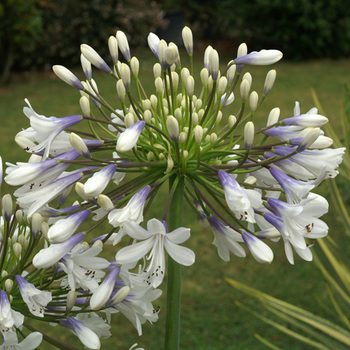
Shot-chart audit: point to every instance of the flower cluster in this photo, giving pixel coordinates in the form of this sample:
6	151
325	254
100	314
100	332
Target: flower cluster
104	168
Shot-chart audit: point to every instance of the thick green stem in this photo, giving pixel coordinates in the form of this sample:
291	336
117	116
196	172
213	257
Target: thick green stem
172	326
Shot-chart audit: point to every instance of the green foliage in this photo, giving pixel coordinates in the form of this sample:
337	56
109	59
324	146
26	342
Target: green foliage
48	32
300	28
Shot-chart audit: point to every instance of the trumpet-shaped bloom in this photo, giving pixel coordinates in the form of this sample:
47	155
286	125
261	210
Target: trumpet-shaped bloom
226	239
51	255
239	199
31	342
83	267
156	240
35	299
8	317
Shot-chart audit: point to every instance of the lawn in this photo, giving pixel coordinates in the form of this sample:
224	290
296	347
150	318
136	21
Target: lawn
210	319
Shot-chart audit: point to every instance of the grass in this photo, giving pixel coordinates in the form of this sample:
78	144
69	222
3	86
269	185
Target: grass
210	319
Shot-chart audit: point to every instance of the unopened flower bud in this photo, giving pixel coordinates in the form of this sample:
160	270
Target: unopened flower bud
172	55
273	116
242	50
175	80
150	156
204	74
113	48
135	66
7	206
221	86
129	120
123	44
4	273
8	285
44	228
231	72
105	202
17	249
187	38
248	77
71	298
79	189
206	56
92	56
185	73
85	105
244	89
195	118
214	64
154	101
213	137
182	137
121	295
37	220
253	101
159	85
147	116
198	134
250	180
86	65
121	92
173	128
269	81
125	75
190	86
68	77
249	135
20	216
79	145
231	120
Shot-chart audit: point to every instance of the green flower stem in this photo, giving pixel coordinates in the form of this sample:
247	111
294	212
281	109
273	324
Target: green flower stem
172	325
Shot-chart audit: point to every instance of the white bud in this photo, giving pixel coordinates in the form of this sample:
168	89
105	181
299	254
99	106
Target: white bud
123	44
68	77
175	80
206	56
85	105
71	298
79	145
249	135
121	92
248	77
92	56
182	137
105	202
195	118
218	117
147	116
159	85
8	285
190	86
129	120
204	74
178	114
44	228
37	220
135	66
242	50
198	134
185	154
121	294
172	55
269	81
214	64
185	73
150	156
86	65
273	116
244	89
253	101
173	128
231	72
125	75
17	249
213	137
7	206
154	101
113	48
250	180
221	86
232	120
187	38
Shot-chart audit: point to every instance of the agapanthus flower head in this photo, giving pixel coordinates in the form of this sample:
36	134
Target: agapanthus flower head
252	186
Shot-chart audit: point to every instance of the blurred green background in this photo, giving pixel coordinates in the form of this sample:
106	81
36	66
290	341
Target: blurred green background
314	36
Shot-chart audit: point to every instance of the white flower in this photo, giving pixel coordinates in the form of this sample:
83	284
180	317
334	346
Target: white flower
226	239
8	317
83	267
155	239
260	58
31	342
35	299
